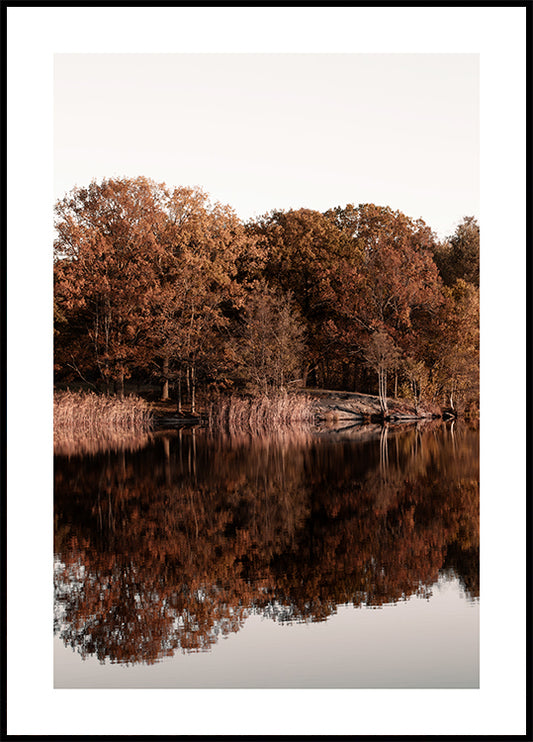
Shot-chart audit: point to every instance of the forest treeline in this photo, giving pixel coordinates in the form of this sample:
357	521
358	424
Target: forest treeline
154	284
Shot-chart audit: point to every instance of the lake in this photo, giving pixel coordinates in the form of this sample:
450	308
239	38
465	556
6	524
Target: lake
341	559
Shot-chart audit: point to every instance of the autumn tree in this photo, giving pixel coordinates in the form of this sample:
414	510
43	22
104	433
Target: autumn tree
300	248
146	276
382	355
196	287
106	247
458	256
268	349
456	333
386	280
456	341
395	257
418	380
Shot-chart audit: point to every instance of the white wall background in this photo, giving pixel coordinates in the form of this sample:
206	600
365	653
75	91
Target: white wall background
34	36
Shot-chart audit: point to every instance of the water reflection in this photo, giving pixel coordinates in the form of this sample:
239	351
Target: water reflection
79	444
170	547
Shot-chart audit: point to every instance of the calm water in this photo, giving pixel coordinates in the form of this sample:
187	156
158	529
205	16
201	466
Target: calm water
335	560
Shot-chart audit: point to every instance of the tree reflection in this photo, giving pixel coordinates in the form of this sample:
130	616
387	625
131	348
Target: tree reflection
173	546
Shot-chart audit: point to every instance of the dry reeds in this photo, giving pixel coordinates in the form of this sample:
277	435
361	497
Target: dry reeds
261	415
92	421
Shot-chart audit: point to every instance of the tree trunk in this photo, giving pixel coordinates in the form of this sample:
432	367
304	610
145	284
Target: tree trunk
166	448
304	375
164	391
179	392
382	379
451	400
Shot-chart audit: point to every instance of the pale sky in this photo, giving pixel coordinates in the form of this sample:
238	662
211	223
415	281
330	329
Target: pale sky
265	131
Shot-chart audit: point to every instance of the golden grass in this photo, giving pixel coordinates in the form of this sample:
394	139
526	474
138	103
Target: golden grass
84	420
260	415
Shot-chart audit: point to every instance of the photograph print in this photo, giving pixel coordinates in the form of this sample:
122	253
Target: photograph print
266	370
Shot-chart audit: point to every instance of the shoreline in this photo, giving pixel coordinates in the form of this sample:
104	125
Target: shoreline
93	422
329	407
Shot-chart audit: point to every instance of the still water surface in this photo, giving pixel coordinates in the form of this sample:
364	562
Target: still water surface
327	561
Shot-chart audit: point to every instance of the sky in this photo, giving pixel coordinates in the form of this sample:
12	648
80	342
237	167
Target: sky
277	131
